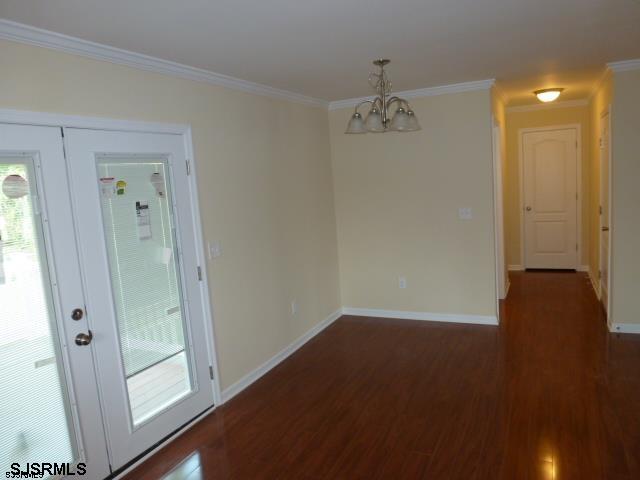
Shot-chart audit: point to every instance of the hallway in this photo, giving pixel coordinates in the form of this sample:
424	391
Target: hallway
549	394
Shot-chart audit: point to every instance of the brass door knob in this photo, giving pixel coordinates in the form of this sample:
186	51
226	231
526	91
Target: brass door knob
528	208
84	339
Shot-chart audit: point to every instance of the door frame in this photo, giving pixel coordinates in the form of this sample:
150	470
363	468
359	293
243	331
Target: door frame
23	117
521	132
605	111
502	279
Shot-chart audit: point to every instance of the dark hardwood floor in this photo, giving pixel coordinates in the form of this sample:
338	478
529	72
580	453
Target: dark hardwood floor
549	394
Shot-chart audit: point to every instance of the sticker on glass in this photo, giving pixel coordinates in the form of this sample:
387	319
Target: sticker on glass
107	187
121	187
158	183
143	220
14	186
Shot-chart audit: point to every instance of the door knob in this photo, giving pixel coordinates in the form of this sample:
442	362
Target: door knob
605	229
528	208
83	339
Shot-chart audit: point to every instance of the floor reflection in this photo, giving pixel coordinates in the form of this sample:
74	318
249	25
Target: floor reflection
189	469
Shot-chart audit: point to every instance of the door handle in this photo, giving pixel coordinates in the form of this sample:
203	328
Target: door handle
605	229
528	208
84	339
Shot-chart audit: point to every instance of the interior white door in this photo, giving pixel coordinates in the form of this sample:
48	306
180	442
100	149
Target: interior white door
49	406
138	250
550	199
605	226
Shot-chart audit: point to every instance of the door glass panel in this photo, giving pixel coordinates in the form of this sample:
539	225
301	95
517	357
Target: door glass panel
35	420
139	234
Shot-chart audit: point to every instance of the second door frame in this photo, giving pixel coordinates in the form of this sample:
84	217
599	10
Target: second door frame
521	132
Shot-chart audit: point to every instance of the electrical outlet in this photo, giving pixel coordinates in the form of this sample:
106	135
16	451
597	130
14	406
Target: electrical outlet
294	307
465	213
402	282
215	249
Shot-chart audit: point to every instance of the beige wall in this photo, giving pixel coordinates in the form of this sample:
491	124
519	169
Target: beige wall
397	198
625	222
549	116
600	102
264	179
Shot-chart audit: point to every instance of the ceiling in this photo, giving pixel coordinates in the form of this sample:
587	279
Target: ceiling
323	49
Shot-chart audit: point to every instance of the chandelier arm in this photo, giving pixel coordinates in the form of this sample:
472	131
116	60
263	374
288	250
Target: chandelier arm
362	103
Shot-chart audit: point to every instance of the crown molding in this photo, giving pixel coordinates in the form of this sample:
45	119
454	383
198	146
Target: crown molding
548	106
625	65
596	86
421	92
18	32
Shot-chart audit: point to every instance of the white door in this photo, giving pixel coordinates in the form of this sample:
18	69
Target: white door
49	407
550	199
137	241
604	211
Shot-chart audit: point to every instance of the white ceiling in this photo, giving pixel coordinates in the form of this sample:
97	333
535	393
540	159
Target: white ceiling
323	48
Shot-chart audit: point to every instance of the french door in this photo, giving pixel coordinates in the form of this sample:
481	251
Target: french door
103	351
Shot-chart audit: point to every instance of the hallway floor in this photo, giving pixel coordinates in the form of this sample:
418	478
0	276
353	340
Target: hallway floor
550	394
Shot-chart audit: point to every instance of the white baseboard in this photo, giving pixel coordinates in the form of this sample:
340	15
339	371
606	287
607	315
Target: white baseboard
254	375
433	317
582	268
625	327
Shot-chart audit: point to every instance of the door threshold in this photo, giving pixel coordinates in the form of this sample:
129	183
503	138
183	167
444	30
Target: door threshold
140	459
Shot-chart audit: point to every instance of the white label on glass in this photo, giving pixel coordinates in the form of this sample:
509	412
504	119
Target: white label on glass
164	255
144	220
107	187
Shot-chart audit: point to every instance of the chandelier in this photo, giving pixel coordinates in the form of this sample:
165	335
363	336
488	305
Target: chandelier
379	119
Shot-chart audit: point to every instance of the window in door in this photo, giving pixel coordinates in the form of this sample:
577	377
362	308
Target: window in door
139	234
35	419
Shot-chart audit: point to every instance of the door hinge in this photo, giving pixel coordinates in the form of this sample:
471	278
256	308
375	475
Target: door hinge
600	209
211	372
188	166
199	273
599	274
576	247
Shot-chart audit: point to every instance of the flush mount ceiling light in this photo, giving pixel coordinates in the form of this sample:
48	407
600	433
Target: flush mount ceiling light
548	94
378	119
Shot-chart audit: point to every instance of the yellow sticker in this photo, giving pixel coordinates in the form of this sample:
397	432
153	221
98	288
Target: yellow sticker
121	186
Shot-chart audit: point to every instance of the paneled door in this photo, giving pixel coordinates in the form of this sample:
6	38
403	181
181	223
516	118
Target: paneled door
50	418
137	237
550	199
